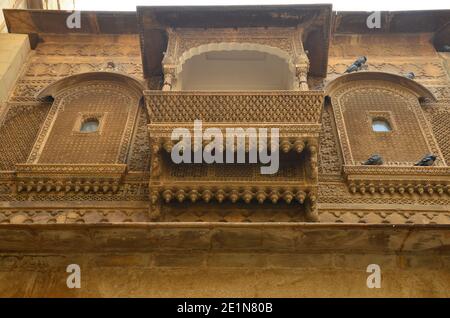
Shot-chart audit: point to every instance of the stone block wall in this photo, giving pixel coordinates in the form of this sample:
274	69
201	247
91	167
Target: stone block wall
210	274
14	50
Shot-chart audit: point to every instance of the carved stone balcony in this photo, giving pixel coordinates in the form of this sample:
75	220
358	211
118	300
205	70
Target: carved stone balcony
297	115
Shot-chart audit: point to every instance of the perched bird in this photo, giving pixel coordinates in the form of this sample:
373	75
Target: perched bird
360	61
375	160
352	68
446	48
357	65
427	161
410	75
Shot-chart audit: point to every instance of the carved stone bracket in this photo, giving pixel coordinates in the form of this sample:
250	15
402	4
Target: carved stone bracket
45	178
398	180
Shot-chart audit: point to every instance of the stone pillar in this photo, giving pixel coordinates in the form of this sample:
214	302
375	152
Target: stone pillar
169	79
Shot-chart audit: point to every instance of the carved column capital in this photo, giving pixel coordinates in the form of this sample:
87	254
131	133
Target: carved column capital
169	78
301	72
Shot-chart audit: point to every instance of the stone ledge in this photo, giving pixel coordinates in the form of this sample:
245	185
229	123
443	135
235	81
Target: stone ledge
226	237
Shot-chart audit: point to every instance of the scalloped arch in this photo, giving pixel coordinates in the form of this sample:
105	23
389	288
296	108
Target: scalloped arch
234	46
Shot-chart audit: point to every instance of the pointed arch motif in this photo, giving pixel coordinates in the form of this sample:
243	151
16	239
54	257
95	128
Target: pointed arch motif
57	87
420	91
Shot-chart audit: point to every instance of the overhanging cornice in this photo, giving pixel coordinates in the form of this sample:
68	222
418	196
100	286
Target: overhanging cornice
54	21
419	21
154	21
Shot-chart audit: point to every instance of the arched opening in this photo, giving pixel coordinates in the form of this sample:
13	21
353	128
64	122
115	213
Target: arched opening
235	67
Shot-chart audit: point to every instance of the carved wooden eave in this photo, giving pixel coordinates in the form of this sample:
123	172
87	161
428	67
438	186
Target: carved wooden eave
155	21
47	178
391	180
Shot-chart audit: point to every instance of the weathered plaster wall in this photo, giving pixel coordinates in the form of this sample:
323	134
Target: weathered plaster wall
7	4
14	49
446	58
224	275
224	260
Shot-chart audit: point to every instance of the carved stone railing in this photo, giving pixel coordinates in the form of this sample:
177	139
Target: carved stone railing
297	115
235	107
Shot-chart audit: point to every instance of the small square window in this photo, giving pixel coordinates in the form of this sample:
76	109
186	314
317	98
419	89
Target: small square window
381	125
381	122
90	125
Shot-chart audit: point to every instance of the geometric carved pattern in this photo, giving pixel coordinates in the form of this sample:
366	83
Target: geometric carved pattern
411	138
60	56
256	107
433	72
384	217
298	116
329	156
57	142
18	132
288	40
184	43
139	156
440	120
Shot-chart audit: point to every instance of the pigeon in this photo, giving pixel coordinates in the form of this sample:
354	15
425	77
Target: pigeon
375	160
410	75
360	61
427	161
352	68
446	48
357	65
